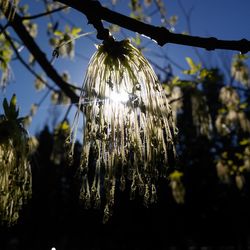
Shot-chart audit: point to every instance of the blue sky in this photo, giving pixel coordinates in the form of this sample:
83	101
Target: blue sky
224	19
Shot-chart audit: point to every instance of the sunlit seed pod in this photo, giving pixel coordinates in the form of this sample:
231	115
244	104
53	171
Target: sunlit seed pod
153	198
111	196
106	215
83	189
132	192
15	216
82	195
87	200
93	190
122	183
146	196
97	201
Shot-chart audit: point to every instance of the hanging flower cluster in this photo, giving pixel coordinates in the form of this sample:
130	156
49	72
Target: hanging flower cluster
240	70
15	174
128	136
61	133
233	166
200	114
232	115
177	186
179	92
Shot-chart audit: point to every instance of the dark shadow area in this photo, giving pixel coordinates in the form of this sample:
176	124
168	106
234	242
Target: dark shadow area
214	215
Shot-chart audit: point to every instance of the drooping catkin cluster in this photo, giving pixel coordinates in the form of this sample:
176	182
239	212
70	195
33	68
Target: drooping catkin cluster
200	114
15	172
128	138
231	116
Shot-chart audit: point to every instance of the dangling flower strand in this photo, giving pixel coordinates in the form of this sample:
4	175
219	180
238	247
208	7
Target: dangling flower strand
15	172
128	137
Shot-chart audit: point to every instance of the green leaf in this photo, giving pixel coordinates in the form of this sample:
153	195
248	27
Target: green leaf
75	31
222	111
13	111
204	73
176	175
243	105
13	101
136	40
6	107
239	156
244	142
183	84
194	68
58	33
10	110
190	62
224	155
175	80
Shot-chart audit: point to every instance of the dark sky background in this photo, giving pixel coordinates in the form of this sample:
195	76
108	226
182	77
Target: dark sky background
224	19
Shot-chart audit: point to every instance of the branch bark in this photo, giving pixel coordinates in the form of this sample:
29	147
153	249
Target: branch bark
44	13
159	34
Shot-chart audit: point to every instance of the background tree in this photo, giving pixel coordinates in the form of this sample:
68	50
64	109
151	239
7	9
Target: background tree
210	179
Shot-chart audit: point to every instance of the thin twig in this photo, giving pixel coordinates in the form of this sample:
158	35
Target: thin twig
23	61
44	13
45	2
3	28
187	15
34	49
168	59
67	112
43	98
159	8
176	99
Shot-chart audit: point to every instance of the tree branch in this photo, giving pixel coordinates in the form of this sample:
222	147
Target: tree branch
44	13
26	65
160	34
31	45
3	28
